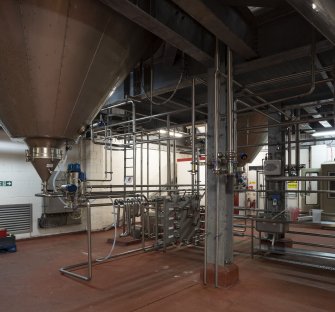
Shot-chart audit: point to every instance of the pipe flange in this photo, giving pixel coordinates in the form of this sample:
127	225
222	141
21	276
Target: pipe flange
44	153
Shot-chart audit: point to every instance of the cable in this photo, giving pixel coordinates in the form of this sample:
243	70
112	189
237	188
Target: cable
114	241
60	168
169	98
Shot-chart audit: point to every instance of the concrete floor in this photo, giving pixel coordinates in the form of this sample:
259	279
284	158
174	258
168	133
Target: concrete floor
154	281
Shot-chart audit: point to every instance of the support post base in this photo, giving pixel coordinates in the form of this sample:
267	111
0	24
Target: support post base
228	275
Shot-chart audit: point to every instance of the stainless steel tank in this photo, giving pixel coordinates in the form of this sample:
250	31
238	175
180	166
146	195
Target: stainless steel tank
248	138
59	61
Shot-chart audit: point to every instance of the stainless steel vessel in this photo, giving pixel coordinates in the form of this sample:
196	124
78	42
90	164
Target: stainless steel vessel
59	60
250	138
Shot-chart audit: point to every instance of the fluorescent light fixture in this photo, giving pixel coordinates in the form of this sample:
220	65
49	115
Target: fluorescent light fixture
172	133
325	124
323	133
315	7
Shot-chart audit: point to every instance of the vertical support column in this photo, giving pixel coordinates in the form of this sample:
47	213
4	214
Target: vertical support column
220	270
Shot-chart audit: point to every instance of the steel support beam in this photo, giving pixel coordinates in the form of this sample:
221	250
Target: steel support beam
280	58
254	3
231	33
321	14
164	19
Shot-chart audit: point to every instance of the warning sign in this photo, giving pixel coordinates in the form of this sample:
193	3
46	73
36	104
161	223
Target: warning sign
292	185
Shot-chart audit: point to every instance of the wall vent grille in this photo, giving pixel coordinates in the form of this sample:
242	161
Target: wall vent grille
16	218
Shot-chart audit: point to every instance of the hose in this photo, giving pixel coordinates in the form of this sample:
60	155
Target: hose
114	241
60	168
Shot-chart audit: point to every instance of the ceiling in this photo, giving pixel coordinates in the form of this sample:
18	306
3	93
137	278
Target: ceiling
283	52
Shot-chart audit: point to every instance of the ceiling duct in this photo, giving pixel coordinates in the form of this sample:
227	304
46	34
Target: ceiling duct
59	61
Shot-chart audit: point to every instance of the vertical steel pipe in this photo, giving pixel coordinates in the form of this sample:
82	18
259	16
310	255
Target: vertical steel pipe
217	226
297	145
206	216
111	155
66	270
174	161
159	164
148	145
289	150
193	136
216	168
168	154
198	174
89	240
105	146
141	167
230	114
134	143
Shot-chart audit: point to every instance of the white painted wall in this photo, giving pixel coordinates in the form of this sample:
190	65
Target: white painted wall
26	182
319	154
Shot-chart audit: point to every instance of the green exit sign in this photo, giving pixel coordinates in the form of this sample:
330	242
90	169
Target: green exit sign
6	183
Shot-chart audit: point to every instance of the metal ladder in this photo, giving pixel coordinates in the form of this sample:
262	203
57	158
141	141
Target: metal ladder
129	173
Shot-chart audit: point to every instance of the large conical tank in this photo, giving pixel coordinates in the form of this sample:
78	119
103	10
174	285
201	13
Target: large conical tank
250	141
59	60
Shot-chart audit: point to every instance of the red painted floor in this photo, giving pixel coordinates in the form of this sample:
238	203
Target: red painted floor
154	281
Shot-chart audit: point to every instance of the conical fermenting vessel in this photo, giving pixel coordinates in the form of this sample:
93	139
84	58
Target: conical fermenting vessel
59	61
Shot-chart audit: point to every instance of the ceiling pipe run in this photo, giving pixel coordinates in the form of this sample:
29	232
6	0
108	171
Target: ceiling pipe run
320	13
